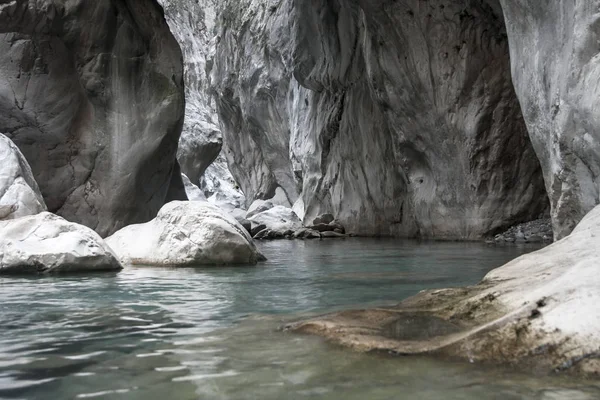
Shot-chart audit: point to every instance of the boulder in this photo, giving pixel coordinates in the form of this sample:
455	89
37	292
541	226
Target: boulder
19	192
332	235
92	93
323	219
46	243
305	233
540	310
258	206
277	218
186	234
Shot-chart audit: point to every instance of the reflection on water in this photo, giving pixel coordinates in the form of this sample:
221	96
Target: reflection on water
210	333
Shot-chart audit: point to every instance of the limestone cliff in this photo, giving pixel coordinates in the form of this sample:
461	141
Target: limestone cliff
92	93
556	73
400	118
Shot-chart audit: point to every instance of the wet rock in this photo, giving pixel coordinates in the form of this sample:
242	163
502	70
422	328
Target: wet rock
332	235
47	244
538	311
186	234
19	192
306	233
92	94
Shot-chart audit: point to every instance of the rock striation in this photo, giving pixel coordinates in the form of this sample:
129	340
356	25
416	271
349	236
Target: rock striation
187	233
556	73
48	244
19	192
539	310
399	118
92	94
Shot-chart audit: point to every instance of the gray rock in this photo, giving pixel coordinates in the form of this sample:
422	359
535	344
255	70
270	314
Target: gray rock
323	219
332	235
277	219
186	234
192	191
305	233
365	110
19	192
92	94
553	48
257	207
255	228
45	243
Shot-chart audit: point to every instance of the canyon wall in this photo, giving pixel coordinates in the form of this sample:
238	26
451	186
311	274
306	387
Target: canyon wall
556	72
92	93
400	118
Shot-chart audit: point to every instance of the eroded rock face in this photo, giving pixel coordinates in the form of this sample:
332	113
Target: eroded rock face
46	243
19	192
556	73
186	234
539	310
92	94
399	118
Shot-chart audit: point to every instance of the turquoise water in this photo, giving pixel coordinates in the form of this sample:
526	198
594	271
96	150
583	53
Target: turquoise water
211	333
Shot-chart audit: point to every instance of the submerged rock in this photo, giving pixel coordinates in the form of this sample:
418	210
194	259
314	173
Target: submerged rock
19	192
186	234
92	93
540	309
45	243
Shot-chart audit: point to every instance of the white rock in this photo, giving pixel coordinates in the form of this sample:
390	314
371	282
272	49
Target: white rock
193	192
46	243
186	233
277	218
258	206
19	192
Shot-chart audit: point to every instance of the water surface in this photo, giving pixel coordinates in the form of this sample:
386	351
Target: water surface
211	333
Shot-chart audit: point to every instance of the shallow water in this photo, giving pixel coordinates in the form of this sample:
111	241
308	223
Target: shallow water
211	333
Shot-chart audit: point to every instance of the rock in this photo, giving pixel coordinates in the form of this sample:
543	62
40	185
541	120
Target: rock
332	234
255	228
257	207
278	218
45	244
92	94
555	74
192	191
322	227
350	119
305	233
323	219
538	311
186	234
220	187
19	192
533	231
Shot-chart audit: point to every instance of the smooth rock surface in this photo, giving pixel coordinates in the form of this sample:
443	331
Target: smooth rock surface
19	193
399	118
539	310
46	243
92	94
186	234
192	191
556	73
278	219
